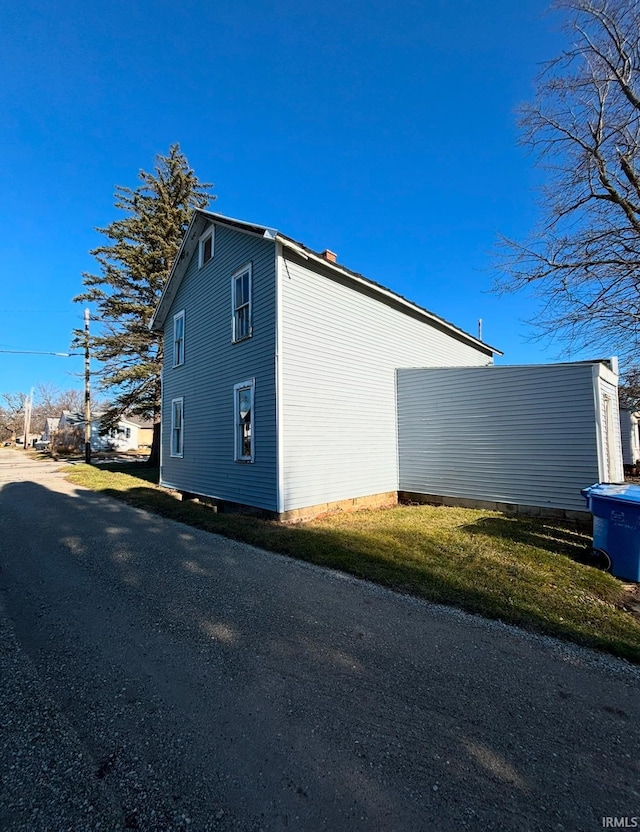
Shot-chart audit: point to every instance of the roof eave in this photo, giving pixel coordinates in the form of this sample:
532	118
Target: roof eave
386	293
181	262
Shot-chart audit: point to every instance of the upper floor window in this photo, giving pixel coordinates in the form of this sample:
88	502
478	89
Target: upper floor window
243	412
178	339
177	426
241	300
205	248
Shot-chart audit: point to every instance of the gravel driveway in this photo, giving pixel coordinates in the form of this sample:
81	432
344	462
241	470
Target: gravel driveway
157	677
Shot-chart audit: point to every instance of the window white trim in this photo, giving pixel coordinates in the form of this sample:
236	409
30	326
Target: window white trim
210	232
240	423
241	314
178	342
177	427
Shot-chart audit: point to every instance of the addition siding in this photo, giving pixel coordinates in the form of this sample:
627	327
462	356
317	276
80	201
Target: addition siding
340	347
213	365
521	435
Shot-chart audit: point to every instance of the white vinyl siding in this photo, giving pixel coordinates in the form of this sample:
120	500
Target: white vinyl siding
243	421
241	303
177	427
521	435
178	339
340	349
611	467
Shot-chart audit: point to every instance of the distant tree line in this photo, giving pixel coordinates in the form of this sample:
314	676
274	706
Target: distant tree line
48	401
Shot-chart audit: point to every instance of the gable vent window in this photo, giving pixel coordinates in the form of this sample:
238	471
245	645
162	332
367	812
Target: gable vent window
241	300
205	250
178	339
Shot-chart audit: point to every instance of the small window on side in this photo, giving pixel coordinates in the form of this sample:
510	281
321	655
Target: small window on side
205	248
244	438
178	339
177	427
241	303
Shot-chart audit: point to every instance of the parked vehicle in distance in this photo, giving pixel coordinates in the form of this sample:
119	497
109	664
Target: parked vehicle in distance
41	444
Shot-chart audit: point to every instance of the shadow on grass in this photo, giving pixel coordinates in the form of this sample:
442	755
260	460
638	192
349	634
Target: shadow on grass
553	537
358	556
139	470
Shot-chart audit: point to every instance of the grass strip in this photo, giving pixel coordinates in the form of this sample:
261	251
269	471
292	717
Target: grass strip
519	570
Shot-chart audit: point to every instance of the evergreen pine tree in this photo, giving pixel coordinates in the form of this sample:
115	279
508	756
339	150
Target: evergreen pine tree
134	267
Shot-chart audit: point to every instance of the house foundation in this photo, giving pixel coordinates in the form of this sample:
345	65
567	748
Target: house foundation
580	518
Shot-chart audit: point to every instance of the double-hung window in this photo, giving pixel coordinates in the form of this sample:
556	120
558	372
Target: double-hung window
205	246
243	395
177	426
241	302
178	339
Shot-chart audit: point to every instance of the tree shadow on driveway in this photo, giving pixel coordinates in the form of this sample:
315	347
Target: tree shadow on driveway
219	678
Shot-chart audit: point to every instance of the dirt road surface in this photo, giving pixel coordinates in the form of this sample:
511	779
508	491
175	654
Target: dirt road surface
159	678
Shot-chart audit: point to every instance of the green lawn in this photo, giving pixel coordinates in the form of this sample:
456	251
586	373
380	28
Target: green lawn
523	571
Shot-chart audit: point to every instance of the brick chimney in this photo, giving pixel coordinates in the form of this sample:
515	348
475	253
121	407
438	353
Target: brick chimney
331	256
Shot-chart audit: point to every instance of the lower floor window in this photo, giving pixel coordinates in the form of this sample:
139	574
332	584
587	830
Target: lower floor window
243	416
177	426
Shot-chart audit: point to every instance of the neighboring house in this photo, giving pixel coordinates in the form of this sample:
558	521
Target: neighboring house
279	379
145	431
71	433
50	428
629	428
32	438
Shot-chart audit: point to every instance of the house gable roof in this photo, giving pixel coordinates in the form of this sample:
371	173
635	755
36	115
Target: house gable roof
201	219
77	419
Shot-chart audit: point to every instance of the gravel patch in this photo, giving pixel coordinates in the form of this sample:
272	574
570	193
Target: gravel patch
48	782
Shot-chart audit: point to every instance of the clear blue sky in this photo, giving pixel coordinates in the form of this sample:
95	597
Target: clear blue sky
383	131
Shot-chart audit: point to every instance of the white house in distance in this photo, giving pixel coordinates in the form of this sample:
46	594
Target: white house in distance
50	427
283	386
629	427
70	432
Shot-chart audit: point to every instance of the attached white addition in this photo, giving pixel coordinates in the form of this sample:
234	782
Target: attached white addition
241	303
243	395
177	426
178	339
205	247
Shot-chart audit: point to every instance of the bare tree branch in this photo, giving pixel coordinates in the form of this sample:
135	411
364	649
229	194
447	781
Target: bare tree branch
583	261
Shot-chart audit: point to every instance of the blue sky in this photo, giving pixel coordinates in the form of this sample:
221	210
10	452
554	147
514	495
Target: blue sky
383	131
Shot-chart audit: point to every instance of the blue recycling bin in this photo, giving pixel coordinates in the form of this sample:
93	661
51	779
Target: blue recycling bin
616	526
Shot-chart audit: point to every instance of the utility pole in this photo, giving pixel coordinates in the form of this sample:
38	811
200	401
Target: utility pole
87	392
28	404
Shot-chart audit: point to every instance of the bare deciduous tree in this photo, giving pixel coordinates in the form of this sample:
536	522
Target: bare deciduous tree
630	390
583	261
49	400
11	415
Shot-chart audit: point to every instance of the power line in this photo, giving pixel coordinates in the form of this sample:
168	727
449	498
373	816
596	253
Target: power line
38	352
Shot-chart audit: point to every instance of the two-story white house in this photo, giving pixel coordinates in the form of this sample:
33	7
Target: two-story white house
279	383
287	387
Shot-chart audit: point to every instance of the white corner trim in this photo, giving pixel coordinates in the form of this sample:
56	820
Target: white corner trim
280	494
